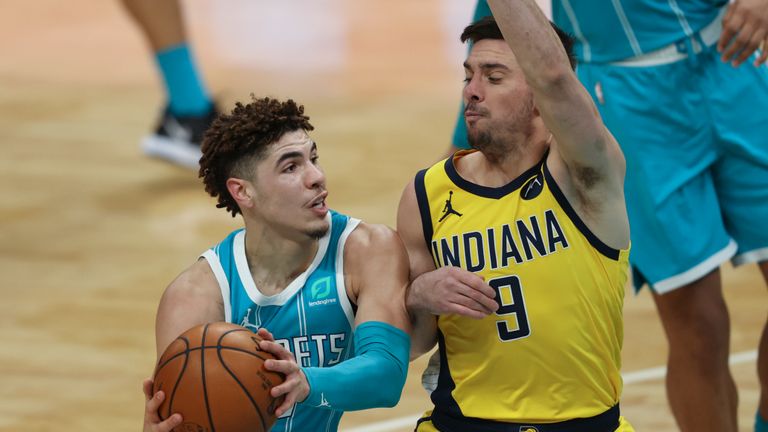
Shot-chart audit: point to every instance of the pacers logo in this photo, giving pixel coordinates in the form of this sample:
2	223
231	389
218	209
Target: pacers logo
533	187
528	429
320	291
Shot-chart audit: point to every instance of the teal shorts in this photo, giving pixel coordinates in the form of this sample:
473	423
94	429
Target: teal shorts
694	132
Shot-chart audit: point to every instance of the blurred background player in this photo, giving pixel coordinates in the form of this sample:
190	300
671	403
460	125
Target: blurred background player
684	89
189	109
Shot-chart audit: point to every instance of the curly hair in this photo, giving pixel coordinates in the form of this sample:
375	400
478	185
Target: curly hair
235	141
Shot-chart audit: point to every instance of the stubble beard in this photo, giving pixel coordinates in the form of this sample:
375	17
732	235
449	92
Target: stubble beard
317	233
498	142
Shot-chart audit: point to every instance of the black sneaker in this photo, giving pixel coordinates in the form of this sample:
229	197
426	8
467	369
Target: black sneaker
177	139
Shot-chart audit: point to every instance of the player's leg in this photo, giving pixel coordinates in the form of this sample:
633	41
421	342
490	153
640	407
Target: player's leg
161	22
740	112
701	390
189	109
761	419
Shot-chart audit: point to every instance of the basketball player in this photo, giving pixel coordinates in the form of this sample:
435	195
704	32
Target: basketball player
522	290
684	89
329	288
189	110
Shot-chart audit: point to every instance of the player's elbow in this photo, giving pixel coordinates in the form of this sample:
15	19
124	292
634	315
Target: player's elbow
391	381
556	80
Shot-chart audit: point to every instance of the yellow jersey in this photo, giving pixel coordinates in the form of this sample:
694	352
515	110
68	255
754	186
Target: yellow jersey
552	350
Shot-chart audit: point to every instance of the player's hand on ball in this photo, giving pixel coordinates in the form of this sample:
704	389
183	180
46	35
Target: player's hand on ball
452	290
152	421
295	388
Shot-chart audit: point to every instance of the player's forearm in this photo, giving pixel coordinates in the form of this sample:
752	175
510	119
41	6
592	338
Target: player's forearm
424	335
537	48
374	378
423	323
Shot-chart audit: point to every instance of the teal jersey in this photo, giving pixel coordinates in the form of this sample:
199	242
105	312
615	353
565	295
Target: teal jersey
613	30
312	317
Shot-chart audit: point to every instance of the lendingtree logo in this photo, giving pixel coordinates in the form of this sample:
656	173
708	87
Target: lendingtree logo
320	291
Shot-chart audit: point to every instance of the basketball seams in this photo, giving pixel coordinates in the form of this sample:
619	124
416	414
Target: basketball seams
240	384
191	350
202	378
178	379
185	353
222	359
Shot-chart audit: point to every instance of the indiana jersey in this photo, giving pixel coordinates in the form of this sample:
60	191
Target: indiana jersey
608	31
552	350
312	317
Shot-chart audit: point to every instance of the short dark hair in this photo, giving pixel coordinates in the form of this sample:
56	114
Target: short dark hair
236	140
487	28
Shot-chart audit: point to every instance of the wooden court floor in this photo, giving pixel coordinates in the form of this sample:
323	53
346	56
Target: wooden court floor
91	231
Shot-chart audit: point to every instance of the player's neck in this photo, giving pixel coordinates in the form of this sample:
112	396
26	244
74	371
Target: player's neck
275	261
498	168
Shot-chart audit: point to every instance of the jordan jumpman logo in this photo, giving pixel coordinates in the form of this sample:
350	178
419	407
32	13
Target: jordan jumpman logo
448	209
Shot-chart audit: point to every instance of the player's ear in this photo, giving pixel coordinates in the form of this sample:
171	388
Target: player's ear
242	192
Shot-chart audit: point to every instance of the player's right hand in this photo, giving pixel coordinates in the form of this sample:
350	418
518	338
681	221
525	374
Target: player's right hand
452	290
152	420
295	388
745	29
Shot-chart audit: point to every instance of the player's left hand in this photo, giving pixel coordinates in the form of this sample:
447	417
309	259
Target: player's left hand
745	29
152	420
295	388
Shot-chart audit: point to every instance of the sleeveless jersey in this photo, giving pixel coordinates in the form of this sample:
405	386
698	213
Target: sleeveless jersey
312	317
614	30
552	351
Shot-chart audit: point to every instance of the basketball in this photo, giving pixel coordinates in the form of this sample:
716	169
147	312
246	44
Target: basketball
214	376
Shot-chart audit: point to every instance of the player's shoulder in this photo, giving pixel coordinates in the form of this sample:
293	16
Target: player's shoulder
368	235
197	279
370	241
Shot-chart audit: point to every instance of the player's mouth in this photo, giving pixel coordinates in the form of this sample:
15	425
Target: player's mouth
317	205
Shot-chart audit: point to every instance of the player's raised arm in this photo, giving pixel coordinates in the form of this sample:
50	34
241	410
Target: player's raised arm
593	158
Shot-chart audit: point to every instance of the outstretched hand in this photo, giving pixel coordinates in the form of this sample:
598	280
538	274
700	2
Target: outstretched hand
452	290
295	388
152	420
745	29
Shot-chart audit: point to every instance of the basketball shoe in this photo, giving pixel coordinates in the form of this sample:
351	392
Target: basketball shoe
177	139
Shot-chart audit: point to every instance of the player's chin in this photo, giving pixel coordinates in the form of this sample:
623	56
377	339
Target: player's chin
318	230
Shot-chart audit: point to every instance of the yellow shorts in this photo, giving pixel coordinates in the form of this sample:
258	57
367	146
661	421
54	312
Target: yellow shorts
427	426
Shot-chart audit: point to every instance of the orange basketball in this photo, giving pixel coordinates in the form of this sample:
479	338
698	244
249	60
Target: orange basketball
214	376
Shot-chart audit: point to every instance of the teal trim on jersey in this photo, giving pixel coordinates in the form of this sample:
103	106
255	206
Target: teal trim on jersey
186	93
760	424
609	31
374	378
312	317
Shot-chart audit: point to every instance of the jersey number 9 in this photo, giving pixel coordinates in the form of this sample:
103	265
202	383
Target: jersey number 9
509	296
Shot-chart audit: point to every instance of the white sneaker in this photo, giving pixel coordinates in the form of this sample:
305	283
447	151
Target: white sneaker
177	139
